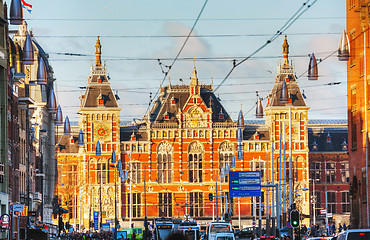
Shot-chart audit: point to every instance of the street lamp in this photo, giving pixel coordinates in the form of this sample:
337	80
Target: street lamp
313	200
301	189
113	160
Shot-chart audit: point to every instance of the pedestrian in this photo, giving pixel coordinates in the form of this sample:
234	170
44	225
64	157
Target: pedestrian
344	227
333	230
340	227
133	236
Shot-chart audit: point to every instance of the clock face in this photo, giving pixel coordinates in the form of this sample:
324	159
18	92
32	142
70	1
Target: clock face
294	130
101	131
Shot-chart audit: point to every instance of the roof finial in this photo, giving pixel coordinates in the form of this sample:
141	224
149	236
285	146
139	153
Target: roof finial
285	52
98	52
194	79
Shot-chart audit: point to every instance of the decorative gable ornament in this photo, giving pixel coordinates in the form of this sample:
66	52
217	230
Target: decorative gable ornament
259	108
344	47
81	138
313	68
42	77
52	103
16	12
28	55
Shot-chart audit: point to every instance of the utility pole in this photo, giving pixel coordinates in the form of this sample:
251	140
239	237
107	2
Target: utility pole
267	196
146	217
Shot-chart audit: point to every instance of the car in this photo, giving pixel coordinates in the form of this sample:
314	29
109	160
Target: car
245	233
319	238
354	234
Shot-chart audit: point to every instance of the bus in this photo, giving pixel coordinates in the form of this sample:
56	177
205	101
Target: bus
220	230
163	227
176	222
190	229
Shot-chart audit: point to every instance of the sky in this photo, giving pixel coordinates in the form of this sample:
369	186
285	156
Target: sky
135	34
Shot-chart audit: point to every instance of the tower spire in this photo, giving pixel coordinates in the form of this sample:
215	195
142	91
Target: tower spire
194	79
98	52
285	52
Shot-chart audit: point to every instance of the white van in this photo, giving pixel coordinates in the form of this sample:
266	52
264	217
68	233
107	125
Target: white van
220	231
354	234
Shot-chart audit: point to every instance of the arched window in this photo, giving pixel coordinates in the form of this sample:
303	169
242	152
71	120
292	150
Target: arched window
195	162
225	153
164	162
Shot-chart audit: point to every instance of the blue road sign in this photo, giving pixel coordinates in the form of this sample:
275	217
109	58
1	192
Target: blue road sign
245	184
96	220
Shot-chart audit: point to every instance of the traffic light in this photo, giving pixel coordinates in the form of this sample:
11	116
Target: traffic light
294	218
227	217
210	197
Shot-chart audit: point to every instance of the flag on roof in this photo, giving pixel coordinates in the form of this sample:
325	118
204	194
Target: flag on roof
27	6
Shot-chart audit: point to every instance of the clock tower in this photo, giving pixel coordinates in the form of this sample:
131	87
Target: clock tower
287	117
99	120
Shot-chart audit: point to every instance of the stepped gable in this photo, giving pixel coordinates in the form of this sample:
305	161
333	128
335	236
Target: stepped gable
286	73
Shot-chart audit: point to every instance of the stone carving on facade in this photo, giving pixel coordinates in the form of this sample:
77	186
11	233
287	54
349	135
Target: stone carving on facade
195	118
165	147
195	147
226	146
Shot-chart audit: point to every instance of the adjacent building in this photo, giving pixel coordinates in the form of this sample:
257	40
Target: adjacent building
358	84
30	170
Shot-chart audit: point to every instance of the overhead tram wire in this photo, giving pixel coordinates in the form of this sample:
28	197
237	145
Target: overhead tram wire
173	19
178	54
185	36
116	58
291	20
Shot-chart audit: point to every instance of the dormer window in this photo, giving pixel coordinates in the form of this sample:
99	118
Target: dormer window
166	116
133	137
100	100
328	138
314	146
221	115
344	145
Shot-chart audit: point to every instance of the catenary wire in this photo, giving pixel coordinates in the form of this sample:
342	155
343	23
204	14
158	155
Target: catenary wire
275	36
178	54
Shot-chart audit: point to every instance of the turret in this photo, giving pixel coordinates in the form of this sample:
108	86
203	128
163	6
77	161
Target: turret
285	52
98	53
